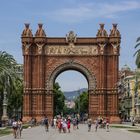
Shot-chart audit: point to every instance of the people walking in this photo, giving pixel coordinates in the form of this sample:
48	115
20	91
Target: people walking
46	123
77	123
15	127
96	125
74	123
59	124
19	128
107	125
64	125
89	121
68	125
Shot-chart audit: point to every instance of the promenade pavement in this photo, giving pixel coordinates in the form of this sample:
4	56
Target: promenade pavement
38	133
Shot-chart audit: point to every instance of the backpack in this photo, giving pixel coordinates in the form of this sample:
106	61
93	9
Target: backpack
46	121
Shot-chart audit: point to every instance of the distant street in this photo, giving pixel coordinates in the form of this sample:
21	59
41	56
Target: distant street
38	133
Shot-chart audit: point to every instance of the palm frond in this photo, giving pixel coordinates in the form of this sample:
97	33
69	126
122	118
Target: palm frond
138	44
138	39
136	52
138	59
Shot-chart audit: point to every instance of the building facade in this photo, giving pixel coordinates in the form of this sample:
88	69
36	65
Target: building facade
130	95
97	58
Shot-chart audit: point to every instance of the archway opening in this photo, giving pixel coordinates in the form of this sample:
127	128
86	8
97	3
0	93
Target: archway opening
71	94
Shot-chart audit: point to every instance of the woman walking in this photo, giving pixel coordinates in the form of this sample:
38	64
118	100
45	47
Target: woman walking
68	125
89	124
19	128
14	126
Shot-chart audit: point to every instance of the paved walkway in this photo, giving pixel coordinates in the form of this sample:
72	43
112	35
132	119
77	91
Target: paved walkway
38	133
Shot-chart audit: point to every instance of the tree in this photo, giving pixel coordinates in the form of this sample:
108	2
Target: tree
81	103
59	100
137	53
15	100
10	81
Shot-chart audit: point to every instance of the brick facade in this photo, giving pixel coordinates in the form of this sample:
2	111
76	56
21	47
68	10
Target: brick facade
46	57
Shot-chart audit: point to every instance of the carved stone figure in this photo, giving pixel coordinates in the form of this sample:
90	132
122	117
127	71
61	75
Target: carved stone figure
102	48
71	37
27	31
102	32
40	46
27	48
115	48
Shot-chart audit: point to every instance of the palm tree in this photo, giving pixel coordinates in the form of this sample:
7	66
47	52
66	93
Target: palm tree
7	74
137	53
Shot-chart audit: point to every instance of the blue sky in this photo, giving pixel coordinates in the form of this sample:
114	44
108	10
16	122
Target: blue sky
61	16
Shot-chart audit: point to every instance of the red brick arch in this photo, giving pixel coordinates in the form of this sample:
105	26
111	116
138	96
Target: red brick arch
97	58
72	66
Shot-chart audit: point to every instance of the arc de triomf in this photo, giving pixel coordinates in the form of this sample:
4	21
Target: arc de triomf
97	58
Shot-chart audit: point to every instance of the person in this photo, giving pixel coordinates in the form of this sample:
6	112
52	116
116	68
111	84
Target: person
89	124
55	122
96	125
19	127
107	125
74	123
64	125
77	122
46	123
14	126
59	125
52	123
68	125
133	122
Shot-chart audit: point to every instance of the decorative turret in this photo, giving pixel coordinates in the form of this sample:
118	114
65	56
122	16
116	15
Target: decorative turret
27	36
40	35
114	32
40	32
27	31
102	38
40	38
102	32
115	39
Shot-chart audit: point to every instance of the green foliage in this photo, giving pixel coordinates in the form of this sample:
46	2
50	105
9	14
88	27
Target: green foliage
68	111
137	53
81	103
15	100
10	81
59	100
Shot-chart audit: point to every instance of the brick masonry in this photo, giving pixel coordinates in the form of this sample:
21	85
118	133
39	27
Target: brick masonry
100	70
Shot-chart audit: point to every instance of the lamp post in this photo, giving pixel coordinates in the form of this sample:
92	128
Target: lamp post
4	116
79	102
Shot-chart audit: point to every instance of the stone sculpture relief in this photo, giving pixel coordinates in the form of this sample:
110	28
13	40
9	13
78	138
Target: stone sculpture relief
71	49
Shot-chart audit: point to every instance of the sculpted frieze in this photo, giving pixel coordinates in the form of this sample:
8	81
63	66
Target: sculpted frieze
71	49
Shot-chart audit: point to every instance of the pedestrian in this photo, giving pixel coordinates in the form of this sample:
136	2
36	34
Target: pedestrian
89	121
96	125
107	125
19	129
55	122
64	125
74	123
46	123
59	125
68	125
14	126
77	122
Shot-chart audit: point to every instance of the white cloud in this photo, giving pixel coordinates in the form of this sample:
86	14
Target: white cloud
93	10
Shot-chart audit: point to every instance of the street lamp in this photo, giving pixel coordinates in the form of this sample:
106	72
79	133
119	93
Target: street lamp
79	102
4	116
